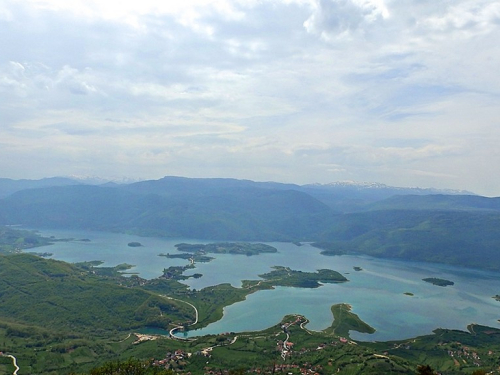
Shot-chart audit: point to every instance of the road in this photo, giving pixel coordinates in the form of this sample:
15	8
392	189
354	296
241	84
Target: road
210	348
14	362
190	304
126	338
284	351
171	333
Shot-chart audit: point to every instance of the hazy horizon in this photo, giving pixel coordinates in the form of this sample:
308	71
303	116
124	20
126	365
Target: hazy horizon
96	180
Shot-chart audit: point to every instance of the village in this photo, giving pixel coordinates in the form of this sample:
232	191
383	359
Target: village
178	359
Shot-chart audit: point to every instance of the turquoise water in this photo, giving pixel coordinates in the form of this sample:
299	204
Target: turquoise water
376	293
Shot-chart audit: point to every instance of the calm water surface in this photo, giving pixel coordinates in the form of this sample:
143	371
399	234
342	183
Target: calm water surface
376	293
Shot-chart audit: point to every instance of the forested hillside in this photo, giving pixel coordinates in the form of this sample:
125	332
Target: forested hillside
57	317
70	298
243	214
463	238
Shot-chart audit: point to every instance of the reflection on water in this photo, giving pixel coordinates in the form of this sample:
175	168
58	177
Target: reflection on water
376	293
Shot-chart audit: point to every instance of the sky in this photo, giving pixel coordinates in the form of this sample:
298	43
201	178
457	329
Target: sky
401	92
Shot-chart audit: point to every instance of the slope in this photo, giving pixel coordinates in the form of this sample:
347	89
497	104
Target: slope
466	238
235	213
67	298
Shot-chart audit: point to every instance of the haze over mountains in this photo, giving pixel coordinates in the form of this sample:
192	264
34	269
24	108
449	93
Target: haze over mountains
416	224
342	190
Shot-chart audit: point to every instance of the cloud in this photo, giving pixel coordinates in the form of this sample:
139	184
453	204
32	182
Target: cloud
467	18
395	91
74	81
337	19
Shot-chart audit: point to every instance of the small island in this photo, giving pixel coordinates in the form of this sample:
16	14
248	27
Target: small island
241	248
284	276
438	282
176	273
198	257
496	298
134	244
357	268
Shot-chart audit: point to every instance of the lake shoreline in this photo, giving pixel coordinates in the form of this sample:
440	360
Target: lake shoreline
381	279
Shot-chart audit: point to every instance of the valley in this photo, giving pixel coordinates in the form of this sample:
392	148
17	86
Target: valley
321	349
355	292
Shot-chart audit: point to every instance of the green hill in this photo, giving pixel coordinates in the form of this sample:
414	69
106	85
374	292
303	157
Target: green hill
9	186
239	213
14	240
437	202
58	318
53	294
470	239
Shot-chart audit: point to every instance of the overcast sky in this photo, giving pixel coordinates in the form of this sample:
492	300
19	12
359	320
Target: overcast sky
402	92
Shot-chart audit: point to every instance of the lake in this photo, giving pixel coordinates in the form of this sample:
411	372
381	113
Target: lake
376	293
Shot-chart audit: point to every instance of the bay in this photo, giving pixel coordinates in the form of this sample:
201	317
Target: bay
377	293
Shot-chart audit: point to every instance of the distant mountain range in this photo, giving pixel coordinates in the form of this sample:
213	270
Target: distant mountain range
375	219
341	195
212	209
375	185
8	186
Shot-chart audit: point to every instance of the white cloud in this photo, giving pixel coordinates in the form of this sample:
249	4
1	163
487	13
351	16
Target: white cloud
188	13
337	19
467	18
5	14
37	80
301	91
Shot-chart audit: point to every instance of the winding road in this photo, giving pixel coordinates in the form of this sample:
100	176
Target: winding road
14	362
210	348
171	332
284	351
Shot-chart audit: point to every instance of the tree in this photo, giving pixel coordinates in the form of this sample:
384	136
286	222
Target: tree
425	370
130	367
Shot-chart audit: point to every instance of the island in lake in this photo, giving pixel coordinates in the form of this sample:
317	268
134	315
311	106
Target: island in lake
196	257
284	276
438	282
197	252
227	248
176	273
134	244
